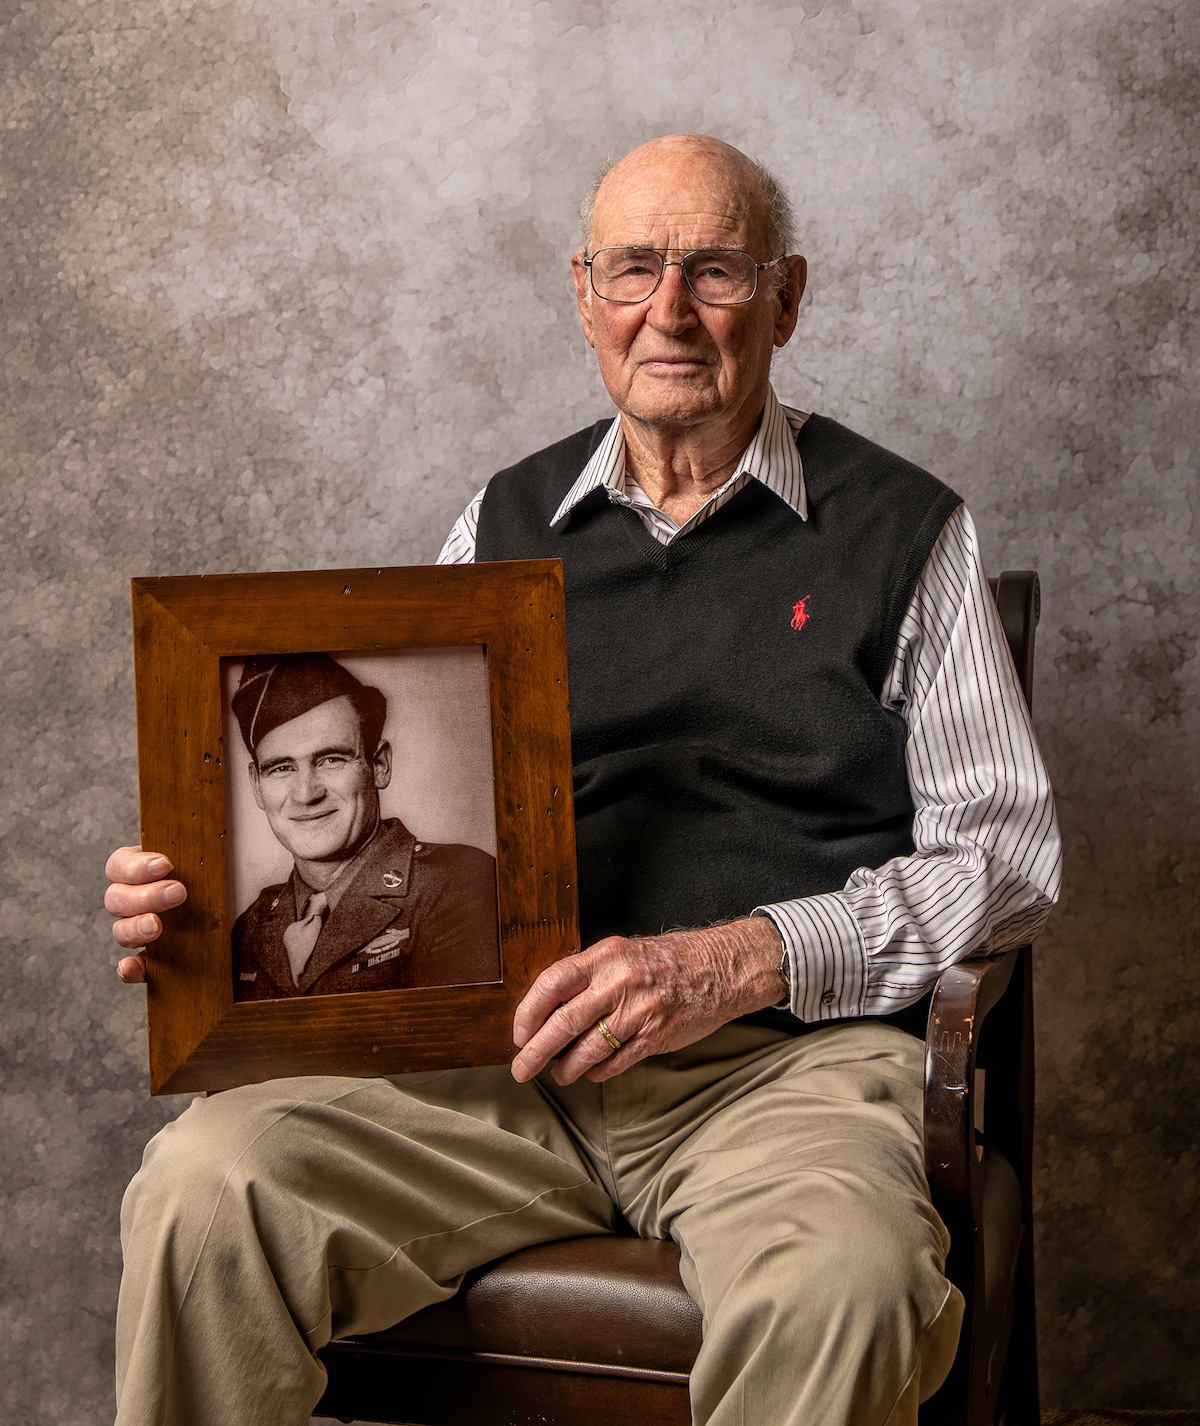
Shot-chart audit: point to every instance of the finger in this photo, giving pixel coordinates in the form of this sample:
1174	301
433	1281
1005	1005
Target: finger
563	1028
565	979
559	982
123	900
135	931
131	864
615	1065
132	969
591	1054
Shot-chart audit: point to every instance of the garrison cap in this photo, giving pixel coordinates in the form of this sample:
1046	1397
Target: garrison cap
275	688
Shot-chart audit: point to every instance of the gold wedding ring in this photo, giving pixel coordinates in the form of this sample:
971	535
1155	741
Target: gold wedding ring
608	1034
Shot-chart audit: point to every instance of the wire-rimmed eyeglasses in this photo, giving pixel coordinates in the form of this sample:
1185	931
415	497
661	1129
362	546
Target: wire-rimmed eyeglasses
718	277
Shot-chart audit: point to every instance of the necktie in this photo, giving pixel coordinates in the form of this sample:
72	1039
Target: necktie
301	936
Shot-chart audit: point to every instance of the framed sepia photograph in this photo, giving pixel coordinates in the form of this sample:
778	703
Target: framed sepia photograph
363	777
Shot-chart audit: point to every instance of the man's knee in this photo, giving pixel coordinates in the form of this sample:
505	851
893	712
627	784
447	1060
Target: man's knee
835	1250
876	1272
886	1282
229	1141
860	1310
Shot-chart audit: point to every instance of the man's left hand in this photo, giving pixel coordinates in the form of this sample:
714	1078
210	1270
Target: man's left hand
655	994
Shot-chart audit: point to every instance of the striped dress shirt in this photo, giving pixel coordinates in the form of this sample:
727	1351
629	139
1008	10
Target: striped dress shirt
987	861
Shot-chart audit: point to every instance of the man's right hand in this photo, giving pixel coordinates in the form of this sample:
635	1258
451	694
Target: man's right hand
141	889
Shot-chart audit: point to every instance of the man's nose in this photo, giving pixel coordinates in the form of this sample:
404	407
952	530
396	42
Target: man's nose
307	785
672	304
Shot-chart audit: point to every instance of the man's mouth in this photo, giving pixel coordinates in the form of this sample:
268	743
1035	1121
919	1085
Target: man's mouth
671	363
313	816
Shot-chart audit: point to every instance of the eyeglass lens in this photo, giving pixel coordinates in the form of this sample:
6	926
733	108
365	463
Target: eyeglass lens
718	277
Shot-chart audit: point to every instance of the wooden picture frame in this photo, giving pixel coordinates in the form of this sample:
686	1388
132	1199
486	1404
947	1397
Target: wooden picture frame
200	1037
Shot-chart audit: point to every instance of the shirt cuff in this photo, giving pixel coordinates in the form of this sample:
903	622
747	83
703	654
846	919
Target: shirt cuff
827	955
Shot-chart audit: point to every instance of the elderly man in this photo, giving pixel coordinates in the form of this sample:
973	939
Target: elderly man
367	906
793	715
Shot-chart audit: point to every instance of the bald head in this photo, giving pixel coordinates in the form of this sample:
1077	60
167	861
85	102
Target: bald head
718	175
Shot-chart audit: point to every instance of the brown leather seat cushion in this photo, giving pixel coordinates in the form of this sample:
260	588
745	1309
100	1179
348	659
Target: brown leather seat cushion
610	1301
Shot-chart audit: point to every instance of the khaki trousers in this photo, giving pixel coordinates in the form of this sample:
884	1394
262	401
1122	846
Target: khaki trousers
269	1219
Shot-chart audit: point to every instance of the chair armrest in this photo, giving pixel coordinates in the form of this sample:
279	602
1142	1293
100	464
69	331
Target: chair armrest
1018	596
964	995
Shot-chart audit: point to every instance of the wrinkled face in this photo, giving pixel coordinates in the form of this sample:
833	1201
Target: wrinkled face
317	786
672	361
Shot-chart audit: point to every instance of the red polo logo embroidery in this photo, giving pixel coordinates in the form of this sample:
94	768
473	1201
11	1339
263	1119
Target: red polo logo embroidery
800	612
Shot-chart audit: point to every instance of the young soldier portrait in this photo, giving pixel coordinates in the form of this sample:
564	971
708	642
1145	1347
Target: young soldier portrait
367	906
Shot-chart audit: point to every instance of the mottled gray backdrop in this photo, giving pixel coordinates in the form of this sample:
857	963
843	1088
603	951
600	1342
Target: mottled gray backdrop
285	280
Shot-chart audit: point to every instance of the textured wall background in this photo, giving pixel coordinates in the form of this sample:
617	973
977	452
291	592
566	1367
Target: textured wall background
285	280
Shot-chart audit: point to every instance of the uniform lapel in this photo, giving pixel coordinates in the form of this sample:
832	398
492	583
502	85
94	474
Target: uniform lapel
270	950
374	899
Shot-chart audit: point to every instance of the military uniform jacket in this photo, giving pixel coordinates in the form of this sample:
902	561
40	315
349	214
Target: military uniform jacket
415	913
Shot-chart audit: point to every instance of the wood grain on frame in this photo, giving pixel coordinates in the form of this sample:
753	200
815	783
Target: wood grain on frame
200	1039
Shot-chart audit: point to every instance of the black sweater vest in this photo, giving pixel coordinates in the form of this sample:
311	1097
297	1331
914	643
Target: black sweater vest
728	740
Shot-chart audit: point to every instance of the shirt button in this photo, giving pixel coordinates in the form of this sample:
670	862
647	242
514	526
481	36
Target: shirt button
827	998
418	847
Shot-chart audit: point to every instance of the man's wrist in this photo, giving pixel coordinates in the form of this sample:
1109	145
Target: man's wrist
783	963
752	946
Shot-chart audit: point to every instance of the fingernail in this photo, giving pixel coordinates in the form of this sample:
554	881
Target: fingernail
174	894
147	926
158	866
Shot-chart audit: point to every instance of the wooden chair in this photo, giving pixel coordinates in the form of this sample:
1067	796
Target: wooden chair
601	1329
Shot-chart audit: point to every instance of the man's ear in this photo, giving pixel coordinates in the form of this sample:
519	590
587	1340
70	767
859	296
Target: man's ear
254	787
788	296
382	765
583	294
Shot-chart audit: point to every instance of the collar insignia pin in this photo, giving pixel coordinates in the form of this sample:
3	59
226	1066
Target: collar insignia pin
392	880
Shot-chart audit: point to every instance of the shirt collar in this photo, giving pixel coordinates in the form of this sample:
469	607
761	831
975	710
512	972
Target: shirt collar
771	458
336	888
